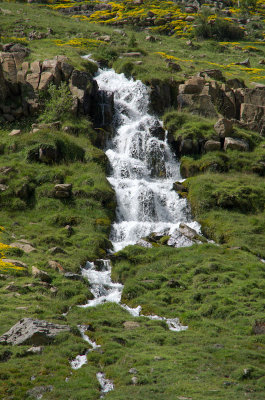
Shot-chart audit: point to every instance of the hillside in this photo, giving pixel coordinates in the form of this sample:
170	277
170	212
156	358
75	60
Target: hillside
90	161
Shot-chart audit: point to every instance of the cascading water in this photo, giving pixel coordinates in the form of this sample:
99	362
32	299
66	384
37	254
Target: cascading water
143	167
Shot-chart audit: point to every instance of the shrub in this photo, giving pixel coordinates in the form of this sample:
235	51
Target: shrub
218	29
57	102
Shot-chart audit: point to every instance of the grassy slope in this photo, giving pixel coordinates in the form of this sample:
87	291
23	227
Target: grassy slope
218	290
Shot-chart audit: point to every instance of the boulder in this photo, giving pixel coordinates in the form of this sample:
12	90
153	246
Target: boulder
56	250
193	85
235	144
212	145
187	231
3	188
18	263
144	243
46	79
15	132
223	127
55	266
158	131
53	67
42	275
26	247
245	63
48	154
63	190
33	79
129	325
33	332
35	350
213	74
179	187
73	277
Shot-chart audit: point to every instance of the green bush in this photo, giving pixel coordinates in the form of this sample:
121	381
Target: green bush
57	103
220	29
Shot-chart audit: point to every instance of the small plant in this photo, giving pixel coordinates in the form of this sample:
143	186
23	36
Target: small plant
132	42
57	103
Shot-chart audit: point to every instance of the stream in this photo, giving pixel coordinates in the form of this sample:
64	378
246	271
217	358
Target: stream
142	172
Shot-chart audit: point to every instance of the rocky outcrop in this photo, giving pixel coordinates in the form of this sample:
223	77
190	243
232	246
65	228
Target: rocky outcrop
21	82
33	332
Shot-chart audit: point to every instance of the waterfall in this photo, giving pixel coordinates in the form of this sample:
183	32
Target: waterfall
143	167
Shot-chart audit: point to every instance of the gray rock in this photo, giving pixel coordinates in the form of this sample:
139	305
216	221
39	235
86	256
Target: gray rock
187	231
26	247
35	350
42	275
212	145
63	190
223	127
74	277
18	263
38	391
56	250
235	144
144	243
56	266
3	188
33	332
133	371
15	132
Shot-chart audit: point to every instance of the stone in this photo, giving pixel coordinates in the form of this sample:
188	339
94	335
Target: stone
46	79
12	288
105	38
245	63
128	325
56	250
27	248
15	132
74	277
3	188
63	190
223	127
48	154
174	66
35	350
133	371
134	380
158	131
33	79
144	243
53	67
24	193
179	187
213	74
150	38
132	54
69	230
35	67
262	62
187	231
55	266
38	391
193	85
15	262
235	83
235	144
33	332
42	275
212	145
9	67
67	70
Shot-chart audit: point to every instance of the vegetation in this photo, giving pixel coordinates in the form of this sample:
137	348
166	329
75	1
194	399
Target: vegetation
216	289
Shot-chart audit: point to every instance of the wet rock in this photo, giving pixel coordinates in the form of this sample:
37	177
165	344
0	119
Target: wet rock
179	187
74	277
131	325
212	145
187	231
144	243
38	391
33	332
223	127
42	275
235	144
158	131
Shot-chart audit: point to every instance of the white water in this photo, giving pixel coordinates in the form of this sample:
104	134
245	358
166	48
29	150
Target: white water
104	290
143	168
105	384
80	360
